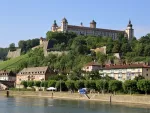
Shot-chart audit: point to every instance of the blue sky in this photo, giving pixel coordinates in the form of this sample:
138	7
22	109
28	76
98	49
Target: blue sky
27	19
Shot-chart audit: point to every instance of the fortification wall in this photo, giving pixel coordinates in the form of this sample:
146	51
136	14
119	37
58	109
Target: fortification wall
14	54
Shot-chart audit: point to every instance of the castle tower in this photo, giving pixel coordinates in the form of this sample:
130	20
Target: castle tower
54	26
93	24
64	25
129	31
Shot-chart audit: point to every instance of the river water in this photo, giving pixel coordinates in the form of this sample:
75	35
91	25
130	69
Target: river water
48	105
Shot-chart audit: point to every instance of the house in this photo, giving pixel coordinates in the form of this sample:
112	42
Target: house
7	79
124	72
100	49
34	74
7	76
91	66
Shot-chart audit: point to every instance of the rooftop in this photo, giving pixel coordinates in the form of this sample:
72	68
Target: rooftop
92	64
125	66
88	28
34	69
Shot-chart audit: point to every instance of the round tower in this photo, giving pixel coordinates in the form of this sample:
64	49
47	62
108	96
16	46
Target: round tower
54	26
93	24
64	25
129	31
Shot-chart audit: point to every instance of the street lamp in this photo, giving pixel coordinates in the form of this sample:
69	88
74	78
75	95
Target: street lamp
103	84
60	85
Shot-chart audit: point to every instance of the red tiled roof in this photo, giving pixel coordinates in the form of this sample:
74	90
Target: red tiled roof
88	28
34	69
4	71
125	66
92	64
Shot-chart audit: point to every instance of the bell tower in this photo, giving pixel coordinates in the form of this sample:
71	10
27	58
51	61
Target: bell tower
93	24
54	26
129	31
64	25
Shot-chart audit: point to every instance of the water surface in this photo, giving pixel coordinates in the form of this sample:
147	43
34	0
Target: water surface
48	105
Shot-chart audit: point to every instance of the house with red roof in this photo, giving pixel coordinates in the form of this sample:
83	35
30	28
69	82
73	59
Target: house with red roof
91	66
126	71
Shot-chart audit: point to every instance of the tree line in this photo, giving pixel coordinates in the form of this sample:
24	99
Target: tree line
102	85
3	53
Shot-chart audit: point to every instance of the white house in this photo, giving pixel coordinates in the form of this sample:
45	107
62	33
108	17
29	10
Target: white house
126	71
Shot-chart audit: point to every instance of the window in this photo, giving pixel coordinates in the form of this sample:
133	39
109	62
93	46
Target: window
147	69
146	74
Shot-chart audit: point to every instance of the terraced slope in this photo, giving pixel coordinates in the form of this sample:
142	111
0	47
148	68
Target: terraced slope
12	63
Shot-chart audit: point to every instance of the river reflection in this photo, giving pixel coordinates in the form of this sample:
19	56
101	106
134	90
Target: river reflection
48	105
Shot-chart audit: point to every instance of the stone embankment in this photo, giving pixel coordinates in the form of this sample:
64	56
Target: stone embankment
137	99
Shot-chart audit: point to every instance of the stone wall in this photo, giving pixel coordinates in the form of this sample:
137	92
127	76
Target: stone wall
14	54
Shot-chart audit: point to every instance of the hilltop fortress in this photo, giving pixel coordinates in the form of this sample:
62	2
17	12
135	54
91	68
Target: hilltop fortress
92	30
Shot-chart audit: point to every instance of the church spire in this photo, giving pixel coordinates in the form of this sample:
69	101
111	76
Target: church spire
130	24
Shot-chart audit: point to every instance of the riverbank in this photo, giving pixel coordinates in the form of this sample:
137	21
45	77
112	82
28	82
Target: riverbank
141	99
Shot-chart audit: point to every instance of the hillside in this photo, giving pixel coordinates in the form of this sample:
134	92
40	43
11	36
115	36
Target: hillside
12	63
79	52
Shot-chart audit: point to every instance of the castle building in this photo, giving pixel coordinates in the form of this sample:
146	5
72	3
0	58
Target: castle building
92	30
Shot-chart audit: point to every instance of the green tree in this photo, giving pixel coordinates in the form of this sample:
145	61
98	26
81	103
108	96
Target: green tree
92	84
116	47
30	83
126	47
37	83
102	85
45	84
115	85
101	58
140	77
147	50
79	84
87	84
12	47
70	85
24	83
130	86
144	85
51	83
62	85
138	49
3	53
109	47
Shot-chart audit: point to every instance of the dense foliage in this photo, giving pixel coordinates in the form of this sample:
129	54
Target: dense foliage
101	85
26	45
79	53
67	67
3	53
